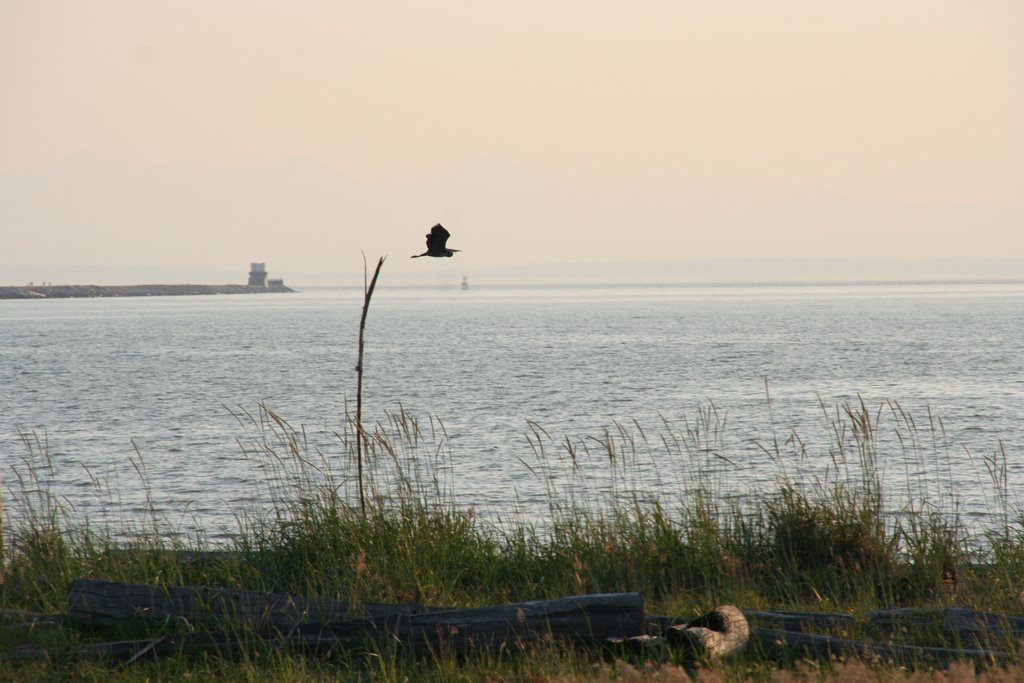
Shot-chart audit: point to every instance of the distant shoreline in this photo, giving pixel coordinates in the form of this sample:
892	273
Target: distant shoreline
94	291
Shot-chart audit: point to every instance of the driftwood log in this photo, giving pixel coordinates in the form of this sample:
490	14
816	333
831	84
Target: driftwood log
960	622
983	636
829	647
799	621
581	618
319	623
719	633
237	619
107	602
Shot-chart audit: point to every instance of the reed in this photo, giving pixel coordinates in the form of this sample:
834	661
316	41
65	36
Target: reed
395	532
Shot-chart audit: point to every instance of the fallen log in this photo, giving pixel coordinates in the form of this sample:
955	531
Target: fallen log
582	618
322	623
976	635
102	602
960	622
954	621
813	644
799	621
720	632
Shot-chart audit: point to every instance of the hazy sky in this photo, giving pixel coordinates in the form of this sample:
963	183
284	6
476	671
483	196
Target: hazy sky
204	135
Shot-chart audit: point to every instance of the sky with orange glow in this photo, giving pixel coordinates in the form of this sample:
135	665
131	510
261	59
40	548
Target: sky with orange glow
590	139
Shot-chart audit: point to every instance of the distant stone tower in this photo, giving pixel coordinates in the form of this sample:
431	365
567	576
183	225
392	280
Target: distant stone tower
258	275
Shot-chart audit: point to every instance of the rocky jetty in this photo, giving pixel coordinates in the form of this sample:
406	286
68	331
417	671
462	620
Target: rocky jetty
75	291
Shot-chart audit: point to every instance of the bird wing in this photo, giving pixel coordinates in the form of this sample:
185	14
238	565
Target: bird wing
437	238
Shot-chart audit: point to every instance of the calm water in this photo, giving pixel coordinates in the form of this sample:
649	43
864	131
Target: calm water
114	385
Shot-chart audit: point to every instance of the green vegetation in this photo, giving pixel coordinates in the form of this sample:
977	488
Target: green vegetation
815	543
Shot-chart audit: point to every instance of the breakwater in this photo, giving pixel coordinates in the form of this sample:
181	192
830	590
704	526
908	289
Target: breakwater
78	291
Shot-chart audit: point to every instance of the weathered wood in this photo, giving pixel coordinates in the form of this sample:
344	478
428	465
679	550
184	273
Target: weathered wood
323	622
974	632
106	602
956	621
318	624
720	632
585	617
824	646
643	643
798	621
588	618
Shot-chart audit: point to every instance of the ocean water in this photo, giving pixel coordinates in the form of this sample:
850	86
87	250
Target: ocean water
522	393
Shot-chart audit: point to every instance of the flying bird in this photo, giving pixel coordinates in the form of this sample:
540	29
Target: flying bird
436	241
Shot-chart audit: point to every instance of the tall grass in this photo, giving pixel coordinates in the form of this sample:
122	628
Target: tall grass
831	541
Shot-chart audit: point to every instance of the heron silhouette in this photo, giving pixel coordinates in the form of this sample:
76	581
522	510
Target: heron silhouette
436	241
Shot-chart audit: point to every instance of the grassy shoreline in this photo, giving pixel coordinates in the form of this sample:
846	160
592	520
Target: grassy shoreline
811	544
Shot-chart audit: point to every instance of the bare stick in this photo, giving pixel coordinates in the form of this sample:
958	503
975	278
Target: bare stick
360	432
